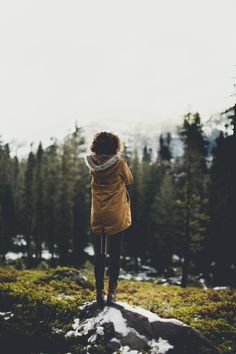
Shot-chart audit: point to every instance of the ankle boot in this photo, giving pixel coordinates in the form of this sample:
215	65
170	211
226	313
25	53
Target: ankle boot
111	297
100	296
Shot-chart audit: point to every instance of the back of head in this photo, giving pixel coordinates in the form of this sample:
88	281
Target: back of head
106	143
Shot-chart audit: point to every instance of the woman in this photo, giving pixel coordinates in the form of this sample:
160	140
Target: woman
110	208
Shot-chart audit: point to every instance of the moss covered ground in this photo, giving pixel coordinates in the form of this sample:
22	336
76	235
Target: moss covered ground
37	308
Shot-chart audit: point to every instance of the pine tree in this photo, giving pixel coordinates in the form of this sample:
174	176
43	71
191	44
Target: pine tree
27	210
147	155
164	152
194	197
136	238
157	172
38	201
7	202
147	198
71	197
164	224
81	198
222	205
51	187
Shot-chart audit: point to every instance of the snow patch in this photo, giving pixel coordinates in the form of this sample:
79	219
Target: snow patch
109	314
92	338
203	283
89	250
157	347
126	349
113	315
175	258
116	340
220	287
163	346
19	240
56	330
14	255
64	296
46	254
7	315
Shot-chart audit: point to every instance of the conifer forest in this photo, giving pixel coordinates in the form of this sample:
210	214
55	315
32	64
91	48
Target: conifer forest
183	208
118	177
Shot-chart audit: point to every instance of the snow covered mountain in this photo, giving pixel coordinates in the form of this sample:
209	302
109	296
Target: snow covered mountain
133	134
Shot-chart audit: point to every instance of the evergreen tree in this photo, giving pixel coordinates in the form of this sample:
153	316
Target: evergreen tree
70	226
159	169
27	209
65	205
164	219
147	198
164	152
136	237
147	154
16	170
51	187
7	203
222	205
38	201
194	197
81	198
127	153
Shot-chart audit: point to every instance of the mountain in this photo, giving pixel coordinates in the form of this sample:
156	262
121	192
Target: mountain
133	134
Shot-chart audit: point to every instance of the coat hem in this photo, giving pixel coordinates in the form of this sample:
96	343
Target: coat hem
122	229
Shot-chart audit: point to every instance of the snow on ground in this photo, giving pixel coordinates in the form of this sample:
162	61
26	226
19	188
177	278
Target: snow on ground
109	314
163	346
19	240
175	258
46	254
7	315
126	350
14	255
63	296
89	250
220	287
137	276
203	283
56	330
157	347
114	315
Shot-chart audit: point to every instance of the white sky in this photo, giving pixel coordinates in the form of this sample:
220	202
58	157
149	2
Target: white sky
126	60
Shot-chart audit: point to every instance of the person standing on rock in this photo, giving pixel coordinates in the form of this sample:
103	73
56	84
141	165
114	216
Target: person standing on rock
110	208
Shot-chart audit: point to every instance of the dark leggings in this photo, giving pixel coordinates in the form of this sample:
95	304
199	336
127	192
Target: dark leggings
114	249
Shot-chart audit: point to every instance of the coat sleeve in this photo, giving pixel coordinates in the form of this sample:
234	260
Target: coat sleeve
125	172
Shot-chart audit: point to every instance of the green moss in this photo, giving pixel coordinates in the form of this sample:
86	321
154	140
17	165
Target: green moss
8	275
40	303
213	312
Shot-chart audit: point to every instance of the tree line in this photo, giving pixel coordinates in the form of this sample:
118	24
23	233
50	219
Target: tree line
182	206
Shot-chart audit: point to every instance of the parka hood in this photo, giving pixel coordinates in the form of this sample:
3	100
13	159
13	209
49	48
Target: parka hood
101	162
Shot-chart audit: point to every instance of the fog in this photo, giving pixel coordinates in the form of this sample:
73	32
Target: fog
135	63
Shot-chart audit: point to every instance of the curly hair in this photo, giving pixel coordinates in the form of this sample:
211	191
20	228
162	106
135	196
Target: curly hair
106	143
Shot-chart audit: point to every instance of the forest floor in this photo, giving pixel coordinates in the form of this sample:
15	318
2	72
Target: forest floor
38	306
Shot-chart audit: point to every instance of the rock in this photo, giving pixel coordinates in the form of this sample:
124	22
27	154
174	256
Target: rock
122	327
43	265
66	274
73	275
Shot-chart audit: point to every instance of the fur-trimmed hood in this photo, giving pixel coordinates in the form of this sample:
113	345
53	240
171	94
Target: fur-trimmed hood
101	162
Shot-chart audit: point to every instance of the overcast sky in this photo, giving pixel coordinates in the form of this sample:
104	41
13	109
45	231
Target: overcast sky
126	60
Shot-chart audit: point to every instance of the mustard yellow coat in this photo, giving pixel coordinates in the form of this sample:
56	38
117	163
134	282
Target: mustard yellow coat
110	204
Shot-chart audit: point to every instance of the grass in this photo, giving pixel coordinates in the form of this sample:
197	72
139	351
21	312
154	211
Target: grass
42	308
